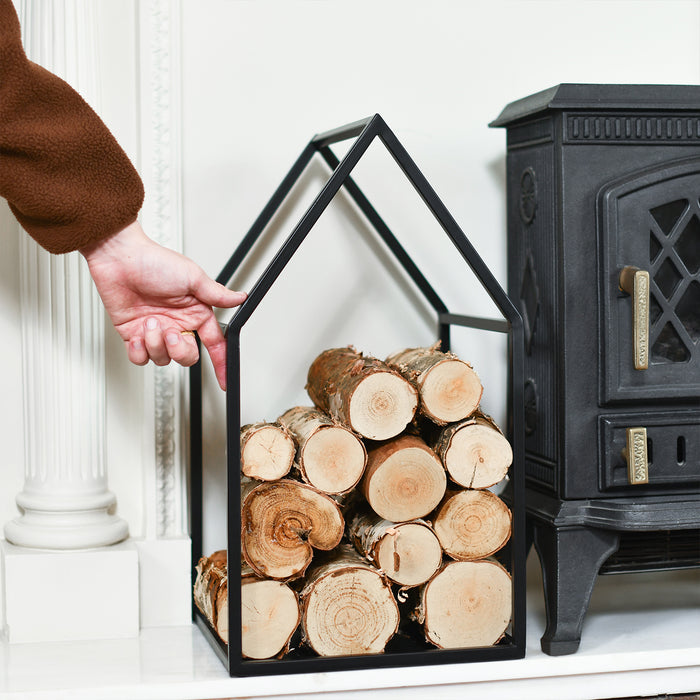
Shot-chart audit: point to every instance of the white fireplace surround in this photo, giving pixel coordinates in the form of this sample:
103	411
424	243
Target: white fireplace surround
102	456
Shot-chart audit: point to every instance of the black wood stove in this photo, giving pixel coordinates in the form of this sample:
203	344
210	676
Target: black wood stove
603	187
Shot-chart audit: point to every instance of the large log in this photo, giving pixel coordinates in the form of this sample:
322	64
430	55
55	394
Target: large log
472	524
282	522
362	392
466	604
474	452
267	451
348	607
408	553
210	591
450	389
404	479
270	615
330	457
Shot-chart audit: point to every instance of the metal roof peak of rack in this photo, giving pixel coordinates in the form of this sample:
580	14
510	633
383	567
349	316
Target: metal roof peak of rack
365	131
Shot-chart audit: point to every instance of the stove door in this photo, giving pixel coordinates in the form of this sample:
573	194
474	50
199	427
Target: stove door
649	253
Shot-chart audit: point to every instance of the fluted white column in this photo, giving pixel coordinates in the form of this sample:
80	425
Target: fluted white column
65	502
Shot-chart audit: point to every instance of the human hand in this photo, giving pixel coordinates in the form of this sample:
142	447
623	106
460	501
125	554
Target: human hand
154	296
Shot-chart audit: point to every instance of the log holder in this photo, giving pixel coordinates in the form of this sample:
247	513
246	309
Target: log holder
364	132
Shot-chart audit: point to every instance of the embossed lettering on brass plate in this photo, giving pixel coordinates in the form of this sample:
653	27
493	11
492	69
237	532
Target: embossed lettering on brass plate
636	283
637	463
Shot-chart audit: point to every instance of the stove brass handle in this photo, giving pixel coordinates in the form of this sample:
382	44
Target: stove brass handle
636	283
636	455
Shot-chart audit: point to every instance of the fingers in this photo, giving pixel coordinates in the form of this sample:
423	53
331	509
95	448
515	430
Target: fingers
213	340
162	345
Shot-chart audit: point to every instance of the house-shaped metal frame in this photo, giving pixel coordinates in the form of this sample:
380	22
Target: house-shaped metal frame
364	132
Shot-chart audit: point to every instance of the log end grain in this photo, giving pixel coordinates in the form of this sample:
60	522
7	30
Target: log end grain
382	405
267	452
478	455
282	522
269	616
409	553
472	524
333	459
450	391
404	479
349	611
467	604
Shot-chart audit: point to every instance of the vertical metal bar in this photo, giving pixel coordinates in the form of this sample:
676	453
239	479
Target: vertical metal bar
233	490
195	376
266	215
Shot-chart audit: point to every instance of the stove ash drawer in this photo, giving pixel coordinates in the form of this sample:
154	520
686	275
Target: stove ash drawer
643	450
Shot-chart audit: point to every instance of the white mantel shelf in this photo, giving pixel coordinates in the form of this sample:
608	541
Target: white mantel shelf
641	637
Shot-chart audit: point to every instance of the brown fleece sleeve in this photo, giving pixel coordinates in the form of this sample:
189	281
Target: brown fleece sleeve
66	178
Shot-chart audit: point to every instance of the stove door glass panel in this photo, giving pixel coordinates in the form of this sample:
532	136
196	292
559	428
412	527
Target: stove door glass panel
650	221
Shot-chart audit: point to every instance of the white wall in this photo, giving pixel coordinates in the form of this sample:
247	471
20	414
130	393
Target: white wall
260	77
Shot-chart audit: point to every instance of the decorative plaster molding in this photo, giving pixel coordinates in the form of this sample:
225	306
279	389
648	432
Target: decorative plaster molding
161	160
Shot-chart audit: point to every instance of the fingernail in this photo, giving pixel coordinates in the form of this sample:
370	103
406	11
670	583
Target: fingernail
137	344
172	338
152	324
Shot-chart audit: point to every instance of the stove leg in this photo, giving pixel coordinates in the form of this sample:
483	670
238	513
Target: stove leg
570	559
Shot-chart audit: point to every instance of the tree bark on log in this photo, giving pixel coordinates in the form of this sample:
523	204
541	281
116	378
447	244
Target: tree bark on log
267	451
362	393
330	457
449	389
211	593
404	479
475	452
408	553
466	604
282	522
472	524
348	607
270	615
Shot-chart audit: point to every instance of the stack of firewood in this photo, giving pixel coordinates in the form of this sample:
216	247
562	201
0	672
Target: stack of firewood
379	489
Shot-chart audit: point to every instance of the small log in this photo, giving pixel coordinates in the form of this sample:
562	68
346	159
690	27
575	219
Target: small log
404	479
408	553
474	452
270	615
282	522
449	389
267	451
362	393
472	524
210	591
466	604
348	607
330	457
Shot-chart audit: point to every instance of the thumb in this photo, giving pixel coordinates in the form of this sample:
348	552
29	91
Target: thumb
212	293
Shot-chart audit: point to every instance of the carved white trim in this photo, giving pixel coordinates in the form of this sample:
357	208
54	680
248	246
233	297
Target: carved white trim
161	166
64	503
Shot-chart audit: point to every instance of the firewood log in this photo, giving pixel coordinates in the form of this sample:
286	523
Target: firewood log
449	388
404	479
362	392
474	452
210	591
282	522
466	604
348	607
270	615
408	553
329	456
267	451
472	524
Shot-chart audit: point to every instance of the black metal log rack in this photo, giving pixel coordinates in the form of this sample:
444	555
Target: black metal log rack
364	133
